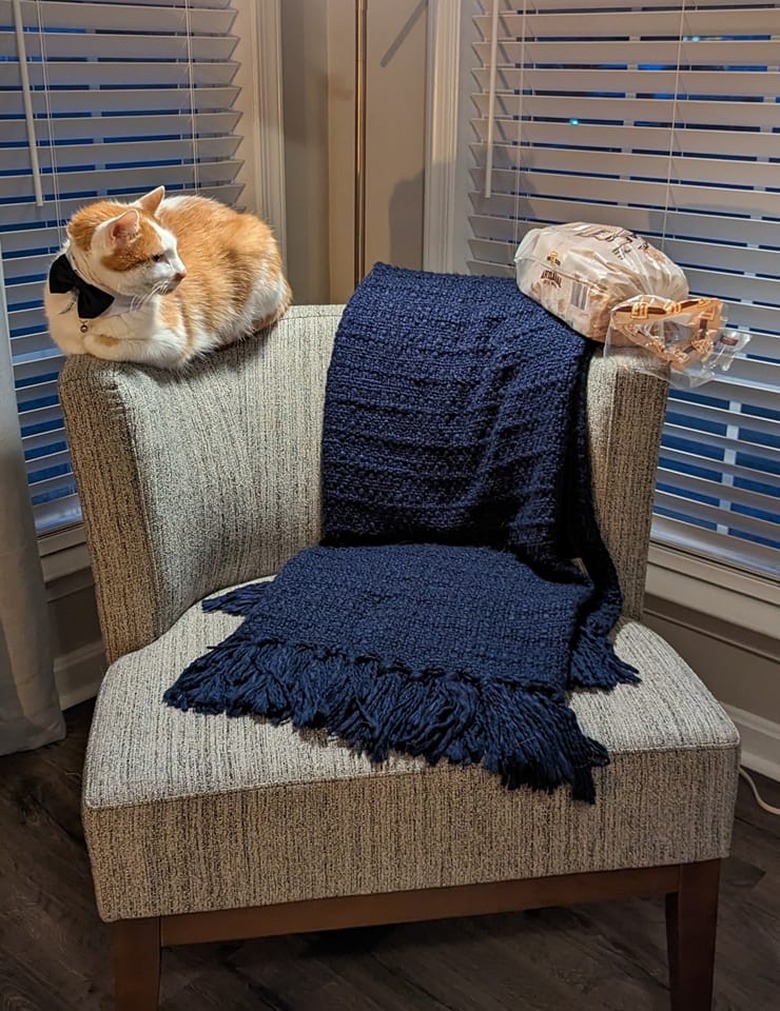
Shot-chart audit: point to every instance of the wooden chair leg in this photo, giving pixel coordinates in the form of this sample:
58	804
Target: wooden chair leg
691	921
137	964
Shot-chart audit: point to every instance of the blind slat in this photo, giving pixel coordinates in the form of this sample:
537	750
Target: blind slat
42	464
31	417
725	494
85	17
742	173
744	524
692	82
736	551
604	108
721	445
35	443
570	24
49	362
119	179
19	294
85	128
645	220
29	214
44	387
716	417
88	102
72	46
631	51
106	156
62	73
596	190
707	255
56	515
758	289
720	467
605	136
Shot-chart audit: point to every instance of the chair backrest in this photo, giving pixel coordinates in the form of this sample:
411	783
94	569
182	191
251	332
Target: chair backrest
195	480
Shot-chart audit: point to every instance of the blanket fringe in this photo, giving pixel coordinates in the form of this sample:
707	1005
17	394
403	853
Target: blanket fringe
239	601
595	664
527	738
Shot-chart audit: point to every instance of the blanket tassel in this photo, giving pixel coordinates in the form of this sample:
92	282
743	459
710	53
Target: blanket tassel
526	737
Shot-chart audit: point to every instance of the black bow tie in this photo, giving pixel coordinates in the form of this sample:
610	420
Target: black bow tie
92	301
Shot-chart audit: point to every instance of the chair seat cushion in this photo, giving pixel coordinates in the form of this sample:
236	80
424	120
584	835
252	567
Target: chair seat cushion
186	813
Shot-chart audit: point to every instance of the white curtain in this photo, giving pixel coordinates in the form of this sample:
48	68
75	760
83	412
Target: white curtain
29	708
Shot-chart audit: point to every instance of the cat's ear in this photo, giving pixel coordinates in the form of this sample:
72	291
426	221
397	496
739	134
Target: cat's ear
124	229
151	201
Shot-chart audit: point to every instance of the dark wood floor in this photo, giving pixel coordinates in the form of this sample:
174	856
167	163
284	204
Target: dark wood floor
54	951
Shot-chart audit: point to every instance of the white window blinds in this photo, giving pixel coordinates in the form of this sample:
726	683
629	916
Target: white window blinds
118	97
664	118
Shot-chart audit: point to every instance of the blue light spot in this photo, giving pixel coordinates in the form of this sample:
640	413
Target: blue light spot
574	122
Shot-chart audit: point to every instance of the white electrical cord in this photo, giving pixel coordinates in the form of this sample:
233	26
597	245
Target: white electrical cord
759	800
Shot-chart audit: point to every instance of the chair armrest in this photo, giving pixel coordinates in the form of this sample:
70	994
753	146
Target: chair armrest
626	408
191	481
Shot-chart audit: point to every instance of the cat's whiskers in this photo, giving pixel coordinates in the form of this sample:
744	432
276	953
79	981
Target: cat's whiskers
139	301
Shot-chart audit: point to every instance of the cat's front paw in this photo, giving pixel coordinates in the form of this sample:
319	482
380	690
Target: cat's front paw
102	346
106	342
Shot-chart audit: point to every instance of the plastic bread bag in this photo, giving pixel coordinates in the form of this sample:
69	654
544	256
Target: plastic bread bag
580	271
688	336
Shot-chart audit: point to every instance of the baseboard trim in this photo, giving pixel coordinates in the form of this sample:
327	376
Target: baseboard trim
760	742
78	674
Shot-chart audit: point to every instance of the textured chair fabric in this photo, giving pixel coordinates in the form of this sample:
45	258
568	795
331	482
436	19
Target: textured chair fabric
196	481
191	481
186	813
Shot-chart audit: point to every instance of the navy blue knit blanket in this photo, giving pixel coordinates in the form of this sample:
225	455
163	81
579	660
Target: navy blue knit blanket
461	588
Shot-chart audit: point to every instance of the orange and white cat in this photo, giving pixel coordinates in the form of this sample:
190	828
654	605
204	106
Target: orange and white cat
163	280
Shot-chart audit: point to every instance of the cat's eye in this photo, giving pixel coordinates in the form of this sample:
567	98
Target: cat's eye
158	257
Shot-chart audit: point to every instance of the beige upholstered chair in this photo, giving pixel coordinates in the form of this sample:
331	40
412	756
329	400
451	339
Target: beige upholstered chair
204	828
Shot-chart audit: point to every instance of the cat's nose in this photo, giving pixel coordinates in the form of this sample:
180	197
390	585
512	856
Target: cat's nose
180	274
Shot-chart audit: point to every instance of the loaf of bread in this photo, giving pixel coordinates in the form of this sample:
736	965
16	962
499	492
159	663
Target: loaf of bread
580	271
